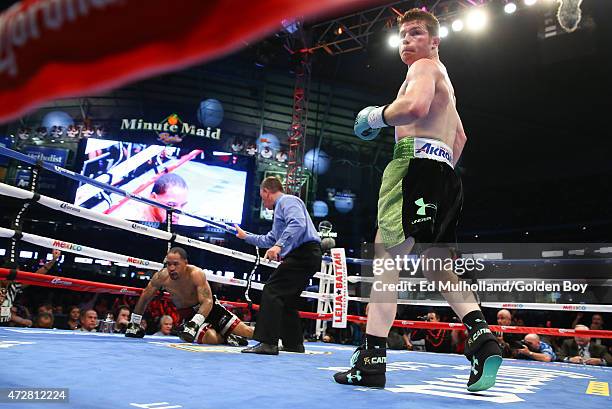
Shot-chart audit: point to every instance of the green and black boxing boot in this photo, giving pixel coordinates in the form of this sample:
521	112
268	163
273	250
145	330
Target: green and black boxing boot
368	365
483	351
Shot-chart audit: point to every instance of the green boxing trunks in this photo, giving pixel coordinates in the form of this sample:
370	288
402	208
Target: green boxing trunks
421	195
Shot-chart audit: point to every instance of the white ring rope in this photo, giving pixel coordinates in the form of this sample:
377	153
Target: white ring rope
82	250
12	191
133	261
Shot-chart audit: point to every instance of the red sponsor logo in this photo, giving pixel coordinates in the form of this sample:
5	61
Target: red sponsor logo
573	307
58	244
139	261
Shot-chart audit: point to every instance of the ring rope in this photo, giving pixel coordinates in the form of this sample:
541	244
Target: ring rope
83	250
68	208
91	286
122	224
164	235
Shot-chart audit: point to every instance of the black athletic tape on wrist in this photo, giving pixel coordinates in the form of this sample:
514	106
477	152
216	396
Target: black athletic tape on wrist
383	115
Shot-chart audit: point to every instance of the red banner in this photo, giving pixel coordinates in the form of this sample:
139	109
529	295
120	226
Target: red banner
59	48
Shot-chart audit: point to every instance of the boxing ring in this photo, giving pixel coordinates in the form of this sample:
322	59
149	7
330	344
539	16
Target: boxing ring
102	370
110	371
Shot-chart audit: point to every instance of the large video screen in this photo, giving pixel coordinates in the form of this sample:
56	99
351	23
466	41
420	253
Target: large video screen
174	176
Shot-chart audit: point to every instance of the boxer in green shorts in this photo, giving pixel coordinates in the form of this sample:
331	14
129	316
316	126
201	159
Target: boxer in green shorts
420	201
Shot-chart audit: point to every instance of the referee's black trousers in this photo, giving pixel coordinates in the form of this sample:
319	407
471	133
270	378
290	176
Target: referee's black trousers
278	315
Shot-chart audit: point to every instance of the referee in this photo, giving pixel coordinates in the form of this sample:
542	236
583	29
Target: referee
294	242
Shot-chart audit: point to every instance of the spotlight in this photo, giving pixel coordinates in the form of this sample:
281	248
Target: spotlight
24	133
530	2
477	20
87	131
237	145
457	25
394	41
510	8
443	31
42	132
266	152
73	131
56	132
338	31
281	156
251	149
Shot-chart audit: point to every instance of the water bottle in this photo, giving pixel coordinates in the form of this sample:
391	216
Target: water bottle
107	324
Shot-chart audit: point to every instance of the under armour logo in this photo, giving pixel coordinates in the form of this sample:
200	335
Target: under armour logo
422	206
474	363
357	376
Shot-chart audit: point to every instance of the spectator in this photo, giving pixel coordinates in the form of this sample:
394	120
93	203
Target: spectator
436	340
395	339
89	304
519	321
89	321
45	308
144	324
9	291
17	318
577	319
122	320
508	342
458	341
597	322
581	350
535	349
101	307
73	318
46	267
165	325
44	320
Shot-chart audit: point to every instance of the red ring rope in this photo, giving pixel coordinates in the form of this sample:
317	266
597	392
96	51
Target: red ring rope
92	286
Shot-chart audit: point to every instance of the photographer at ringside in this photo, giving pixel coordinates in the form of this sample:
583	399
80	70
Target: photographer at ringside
536	349
436	340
